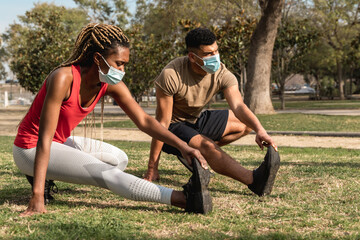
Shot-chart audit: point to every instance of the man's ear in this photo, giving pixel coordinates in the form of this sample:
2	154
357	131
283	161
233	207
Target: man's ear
191	57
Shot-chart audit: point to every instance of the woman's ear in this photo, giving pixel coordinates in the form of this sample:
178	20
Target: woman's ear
97	58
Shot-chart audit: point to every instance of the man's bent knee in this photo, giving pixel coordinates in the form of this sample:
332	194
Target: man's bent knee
203	144
247	130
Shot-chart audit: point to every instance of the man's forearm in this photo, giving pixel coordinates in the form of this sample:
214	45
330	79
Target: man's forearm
248	117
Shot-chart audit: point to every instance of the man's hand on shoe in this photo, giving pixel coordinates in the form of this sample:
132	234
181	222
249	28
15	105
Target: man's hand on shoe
263	139
191	153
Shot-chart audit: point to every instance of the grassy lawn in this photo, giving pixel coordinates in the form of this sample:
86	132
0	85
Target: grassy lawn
323	104
306	104
310	122
316	196
287	122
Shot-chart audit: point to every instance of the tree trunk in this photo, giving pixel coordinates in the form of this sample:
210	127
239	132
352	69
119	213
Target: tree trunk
242	80
282	96
351	82
318	87
257	90
340	79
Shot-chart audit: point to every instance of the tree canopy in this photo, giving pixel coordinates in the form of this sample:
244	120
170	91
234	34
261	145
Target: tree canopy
318	38
41	41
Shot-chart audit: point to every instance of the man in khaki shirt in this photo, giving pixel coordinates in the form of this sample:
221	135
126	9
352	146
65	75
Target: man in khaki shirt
183	89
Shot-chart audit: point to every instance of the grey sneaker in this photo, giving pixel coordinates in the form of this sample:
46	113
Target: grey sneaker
264	175
198	199
49	186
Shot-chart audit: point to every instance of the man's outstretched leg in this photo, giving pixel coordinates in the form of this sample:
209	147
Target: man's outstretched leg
224	164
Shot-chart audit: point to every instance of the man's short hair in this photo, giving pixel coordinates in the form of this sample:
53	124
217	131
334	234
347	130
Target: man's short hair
199	36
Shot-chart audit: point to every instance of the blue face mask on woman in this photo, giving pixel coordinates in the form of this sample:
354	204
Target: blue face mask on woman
114	76
211	64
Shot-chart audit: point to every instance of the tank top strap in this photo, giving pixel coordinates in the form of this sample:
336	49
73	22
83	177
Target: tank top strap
76	80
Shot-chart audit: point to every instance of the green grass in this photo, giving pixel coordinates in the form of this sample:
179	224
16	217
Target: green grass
286	122
306	104
316	196
323	104
310	122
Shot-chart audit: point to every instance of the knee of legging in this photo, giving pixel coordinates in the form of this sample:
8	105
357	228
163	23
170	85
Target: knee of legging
122	160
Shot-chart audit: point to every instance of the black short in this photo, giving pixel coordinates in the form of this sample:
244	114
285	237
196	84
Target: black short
211	124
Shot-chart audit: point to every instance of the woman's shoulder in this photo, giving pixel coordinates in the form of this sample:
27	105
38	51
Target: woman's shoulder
62	74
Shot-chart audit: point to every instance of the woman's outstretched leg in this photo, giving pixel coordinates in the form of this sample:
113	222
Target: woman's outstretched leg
74	165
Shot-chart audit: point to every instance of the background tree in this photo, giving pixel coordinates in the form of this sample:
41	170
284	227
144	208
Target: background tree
148	56
234	41
257	90
3	73
208	13
319	64
339	21
294	39
42	40
244	33
113	12
353	63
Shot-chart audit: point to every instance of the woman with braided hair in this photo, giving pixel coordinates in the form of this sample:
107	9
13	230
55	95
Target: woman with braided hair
44	149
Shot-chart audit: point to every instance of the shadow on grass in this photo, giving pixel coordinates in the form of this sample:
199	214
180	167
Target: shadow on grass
21	196
17	196
143	206
87	230
13	173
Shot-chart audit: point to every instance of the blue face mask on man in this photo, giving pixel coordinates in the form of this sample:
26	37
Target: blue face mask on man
114	76
211	64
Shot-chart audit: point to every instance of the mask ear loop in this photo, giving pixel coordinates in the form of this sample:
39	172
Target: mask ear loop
105	61
199	58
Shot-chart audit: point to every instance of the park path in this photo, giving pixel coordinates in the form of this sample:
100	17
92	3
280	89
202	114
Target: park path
281	140
9	118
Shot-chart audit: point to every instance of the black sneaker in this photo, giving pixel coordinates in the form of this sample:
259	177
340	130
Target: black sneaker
49	186
185	163
189	167
264	175
198	199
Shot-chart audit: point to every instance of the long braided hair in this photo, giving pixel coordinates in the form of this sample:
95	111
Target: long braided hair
95	37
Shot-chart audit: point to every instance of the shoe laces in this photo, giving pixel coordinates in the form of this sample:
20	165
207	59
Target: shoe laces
53	187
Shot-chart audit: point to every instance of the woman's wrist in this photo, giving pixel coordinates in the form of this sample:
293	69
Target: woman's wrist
38	193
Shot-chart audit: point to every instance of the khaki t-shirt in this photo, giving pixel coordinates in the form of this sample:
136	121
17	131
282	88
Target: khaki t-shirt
191	91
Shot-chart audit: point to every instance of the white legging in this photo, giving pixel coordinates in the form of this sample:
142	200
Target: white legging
87	161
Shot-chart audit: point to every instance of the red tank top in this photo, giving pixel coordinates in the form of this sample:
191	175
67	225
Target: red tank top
71	113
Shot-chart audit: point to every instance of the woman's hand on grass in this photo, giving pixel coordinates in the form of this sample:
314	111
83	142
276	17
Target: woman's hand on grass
36	206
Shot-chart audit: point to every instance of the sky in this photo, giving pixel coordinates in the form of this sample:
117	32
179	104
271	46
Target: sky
11	9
